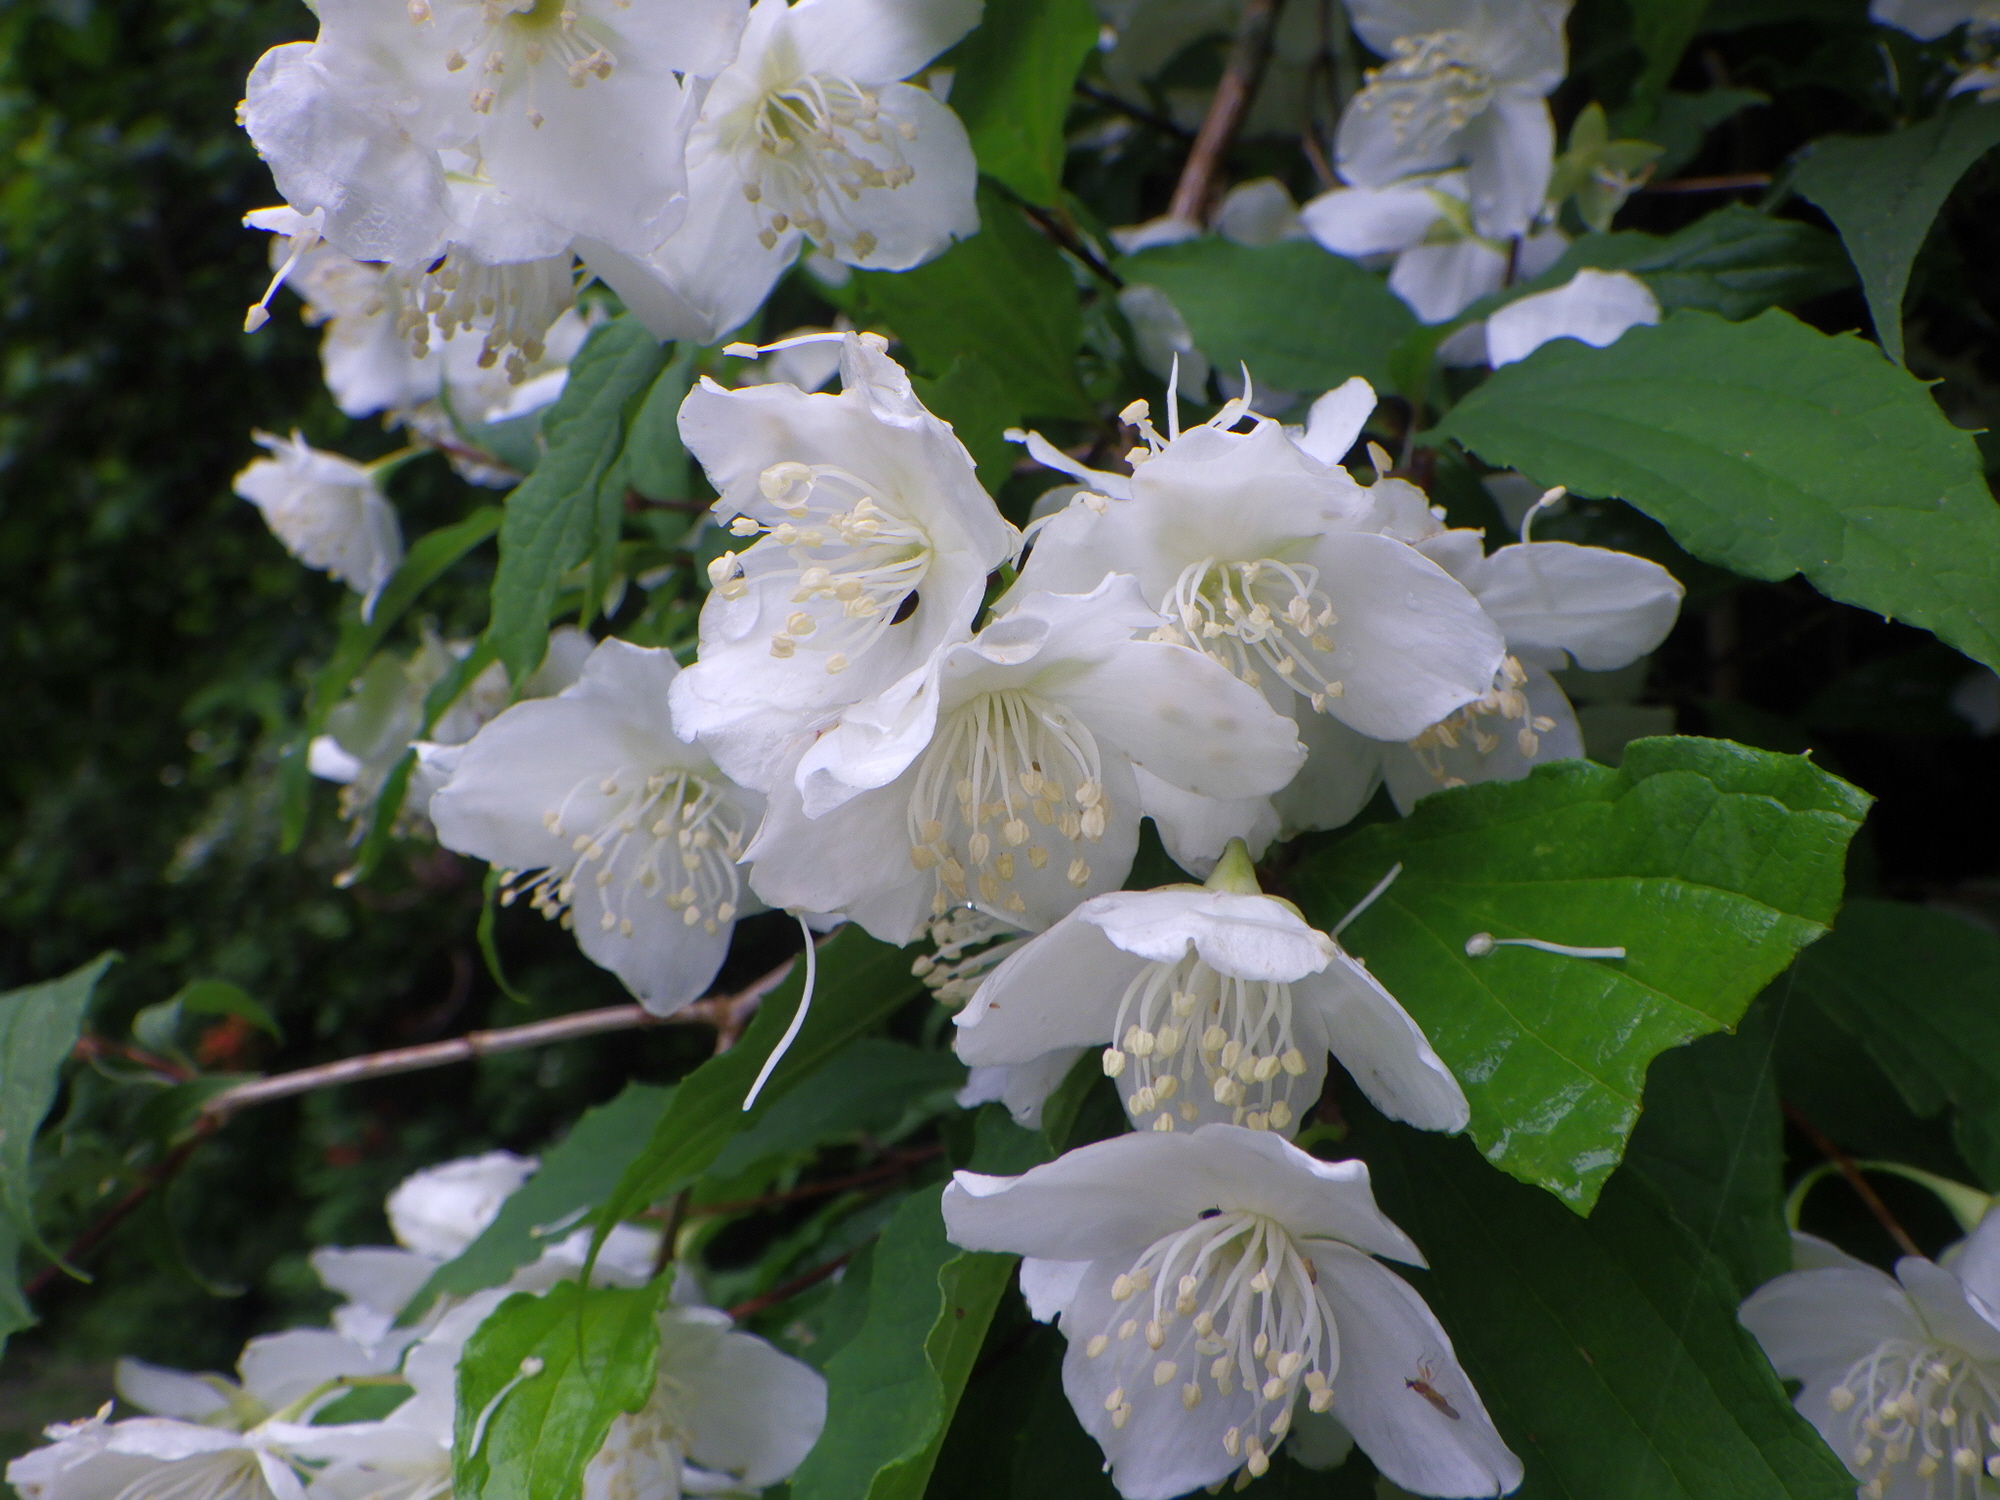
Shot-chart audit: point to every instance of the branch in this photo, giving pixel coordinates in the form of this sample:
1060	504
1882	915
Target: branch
1057	227
1862	1188
787	1290
727	1013
1245	70
1733	182
1152	119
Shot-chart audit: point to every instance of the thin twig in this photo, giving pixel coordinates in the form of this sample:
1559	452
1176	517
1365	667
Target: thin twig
1728	182
1152	119
111	1218
1233	95
1863	1189
727	1013
786	1290
1056	226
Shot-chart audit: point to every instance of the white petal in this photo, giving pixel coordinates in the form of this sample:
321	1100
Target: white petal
379	1277
384	196
1940	1300
877	41
162	1392
1596	307
853	860
279	1368
1245	936
1335	422
1410	646
1257	213
1023	1087
1060	989
1510	152
439	1211
1387	1052
1388	1337
751	1411
908	225
1441	281
1341	773
1605	609
1926	20
1372	220
1117	1196
1196	830
1411	777
1049	1286
1811	1322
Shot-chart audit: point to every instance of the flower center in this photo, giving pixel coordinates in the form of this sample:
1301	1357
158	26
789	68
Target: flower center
524	47
812	143
1476	724
232	1474
854	567
1929	1407
514	304
1428	78
1253	617
1258	1320
667	836
994	763
966	946
1184	1025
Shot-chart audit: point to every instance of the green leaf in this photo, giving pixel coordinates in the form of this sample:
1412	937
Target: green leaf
218	997
574	1178
1766	448
1602	1346
427	561
1711	1144
1883	193
39	1024
1682	122
861	982
1662	29
555	517
1003	299
597	1349
872	1087
656	463
1735	262
1712	864
972	397
892	1388
1011	86
1300	318
1917	989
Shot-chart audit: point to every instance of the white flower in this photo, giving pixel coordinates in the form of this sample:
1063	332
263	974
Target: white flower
810	135
728	1413
1442	264
328	511
608	821
1263	553
1002	776
873	540
1218	1004
1901	1375
566	119
1595	307
1212	1282
1463	85
439	1211
1927	20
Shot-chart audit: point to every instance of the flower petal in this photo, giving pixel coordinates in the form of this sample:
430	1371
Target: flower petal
1379	1043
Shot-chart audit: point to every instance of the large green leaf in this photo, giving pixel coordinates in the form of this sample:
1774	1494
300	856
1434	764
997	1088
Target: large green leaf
1920	991
39	1024
1735	262
556	517
1883	192
1711	1142
1606	1348
892	1388
540	1383
1012	84
1710	863
574	1177
1766	448
1003	299
861	982
1298	317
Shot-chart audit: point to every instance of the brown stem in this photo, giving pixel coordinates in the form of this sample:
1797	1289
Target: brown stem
1057	226
1863	1189
1728	182
157	1177
727	1013
1138	112
786	1290
1233	96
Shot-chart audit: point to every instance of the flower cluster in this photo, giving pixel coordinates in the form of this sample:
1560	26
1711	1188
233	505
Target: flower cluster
729	1413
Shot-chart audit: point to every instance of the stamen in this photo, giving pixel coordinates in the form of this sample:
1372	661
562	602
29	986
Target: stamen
1482	943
